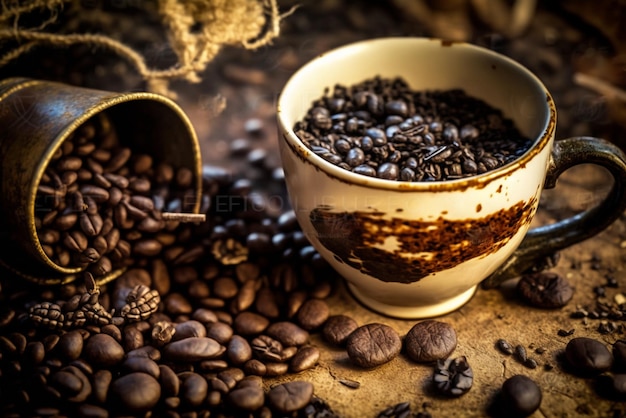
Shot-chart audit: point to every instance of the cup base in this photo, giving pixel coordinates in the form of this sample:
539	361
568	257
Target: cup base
413	312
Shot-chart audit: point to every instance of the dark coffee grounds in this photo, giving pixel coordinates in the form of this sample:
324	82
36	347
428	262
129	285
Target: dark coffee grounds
382	128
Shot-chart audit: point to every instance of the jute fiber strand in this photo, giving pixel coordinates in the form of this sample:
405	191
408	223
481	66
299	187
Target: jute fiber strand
195	29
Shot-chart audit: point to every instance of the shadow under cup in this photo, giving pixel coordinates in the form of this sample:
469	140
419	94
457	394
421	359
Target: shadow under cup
417	249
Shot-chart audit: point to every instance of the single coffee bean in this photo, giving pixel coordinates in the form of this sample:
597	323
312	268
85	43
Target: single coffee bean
141	364
588	356
193	390
70	345
192	349
135	392
337	328
248	398
545	290
288	333
219	331
238	350
430	341
306	358
504	346
250	323
520	396
312	314
170	384
103	351
520	353
453	377
372	345
290	397
188	329
101	381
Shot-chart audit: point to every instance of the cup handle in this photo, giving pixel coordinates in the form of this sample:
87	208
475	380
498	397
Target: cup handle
539	248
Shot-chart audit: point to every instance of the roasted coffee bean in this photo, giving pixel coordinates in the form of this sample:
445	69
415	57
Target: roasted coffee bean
143	365
219	331
545	290
188	329
193	390
504	346
250	323
337	328
520	396
430	341
372	345
305	358
289	397
135	392
103	351
288	333
588	356
520	353
312	314
192	349
247	398
453	377
238	350
70	345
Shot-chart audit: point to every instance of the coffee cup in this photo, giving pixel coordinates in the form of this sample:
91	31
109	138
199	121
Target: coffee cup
420	249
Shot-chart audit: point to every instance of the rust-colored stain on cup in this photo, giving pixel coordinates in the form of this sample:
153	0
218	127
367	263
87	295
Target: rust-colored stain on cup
420	247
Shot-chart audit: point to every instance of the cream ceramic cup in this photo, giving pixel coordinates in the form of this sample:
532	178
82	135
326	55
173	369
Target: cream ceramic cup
420	249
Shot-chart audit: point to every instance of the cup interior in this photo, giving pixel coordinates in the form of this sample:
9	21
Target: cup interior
425	64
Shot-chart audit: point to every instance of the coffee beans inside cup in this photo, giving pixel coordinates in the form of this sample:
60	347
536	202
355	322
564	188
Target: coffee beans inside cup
382	128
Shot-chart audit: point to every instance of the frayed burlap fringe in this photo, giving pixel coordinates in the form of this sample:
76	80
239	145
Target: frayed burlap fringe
196	31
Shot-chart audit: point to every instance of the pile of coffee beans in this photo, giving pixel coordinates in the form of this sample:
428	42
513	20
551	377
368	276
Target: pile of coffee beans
382	128
239	296
99	205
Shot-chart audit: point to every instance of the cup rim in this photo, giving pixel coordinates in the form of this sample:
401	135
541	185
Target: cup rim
478	181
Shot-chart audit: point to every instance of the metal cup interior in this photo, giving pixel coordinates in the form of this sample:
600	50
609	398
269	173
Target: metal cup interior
36	117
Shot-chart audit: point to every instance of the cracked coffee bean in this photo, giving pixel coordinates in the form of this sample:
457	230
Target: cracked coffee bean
545	290
430	341
453	377
372	345
588	356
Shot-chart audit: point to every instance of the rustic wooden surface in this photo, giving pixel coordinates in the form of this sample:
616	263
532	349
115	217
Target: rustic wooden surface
250	83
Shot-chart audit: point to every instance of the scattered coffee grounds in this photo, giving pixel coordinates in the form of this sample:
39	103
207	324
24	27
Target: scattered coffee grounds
520	397
588	356
372	345
337	329
565	333
99	205
545	290
381	128
453	377
429	341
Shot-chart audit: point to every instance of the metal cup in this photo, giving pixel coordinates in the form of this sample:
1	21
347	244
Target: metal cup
35	118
